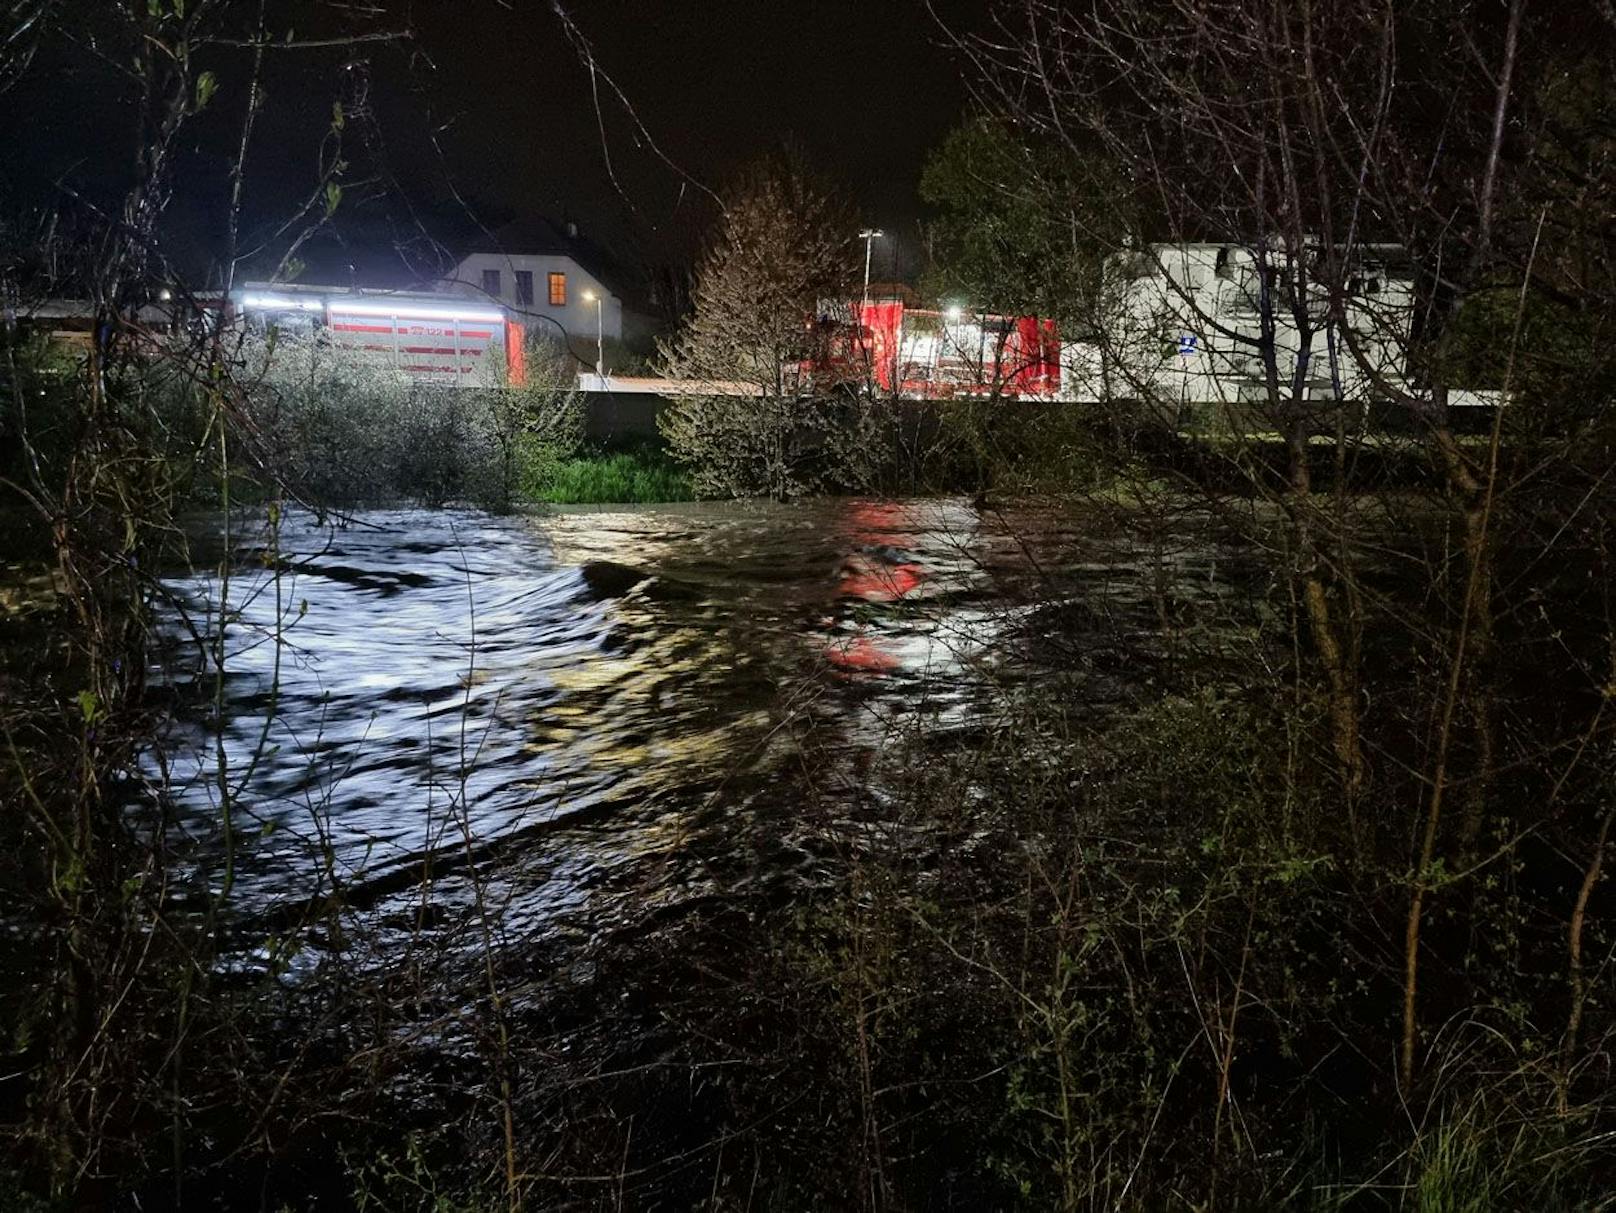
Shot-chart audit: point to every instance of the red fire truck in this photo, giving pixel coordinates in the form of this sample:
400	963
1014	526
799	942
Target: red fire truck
887	346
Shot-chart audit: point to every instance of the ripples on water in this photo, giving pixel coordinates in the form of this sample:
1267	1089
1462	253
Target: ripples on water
564	702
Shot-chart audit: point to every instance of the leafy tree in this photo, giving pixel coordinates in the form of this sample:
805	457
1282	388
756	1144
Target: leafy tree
783	255
784	249
1022	226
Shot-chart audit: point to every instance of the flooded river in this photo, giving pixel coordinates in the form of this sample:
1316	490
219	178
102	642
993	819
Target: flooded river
588	715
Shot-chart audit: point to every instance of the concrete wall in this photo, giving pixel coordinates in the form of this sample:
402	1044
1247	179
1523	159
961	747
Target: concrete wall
610	416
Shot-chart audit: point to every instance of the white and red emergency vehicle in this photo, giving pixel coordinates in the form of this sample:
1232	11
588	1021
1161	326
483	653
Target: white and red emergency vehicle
432	338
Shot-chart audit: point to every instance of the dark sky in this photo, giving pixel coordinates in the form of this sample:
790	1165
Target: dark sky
866	89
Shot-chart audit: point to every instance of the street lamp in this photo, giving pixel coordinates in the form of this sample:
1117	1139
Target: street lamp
869	236
952	314
600	332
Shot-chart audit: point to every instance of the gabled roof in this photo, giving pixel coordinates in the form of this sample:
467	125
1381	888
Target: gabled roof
536	235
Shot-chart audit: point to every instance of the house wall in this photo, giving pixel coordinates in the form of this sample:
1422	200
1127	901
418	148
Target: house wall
578	316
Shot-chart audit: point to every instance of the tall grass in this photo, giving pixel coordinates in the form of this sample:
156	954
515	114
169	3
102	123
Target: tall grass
640	474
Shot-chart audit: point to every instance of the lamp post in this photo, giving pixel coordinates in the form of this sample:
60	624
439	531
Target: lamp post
600	333
952	315
869	235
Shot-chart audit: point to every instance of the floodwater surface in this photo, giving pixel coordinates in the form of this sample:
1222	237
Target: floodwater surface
587	714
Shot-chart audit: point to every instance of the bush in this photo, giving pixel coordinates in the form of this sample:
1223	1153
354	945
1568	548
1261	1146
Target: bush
344	430
1008	445
791	447
1112	965
779	447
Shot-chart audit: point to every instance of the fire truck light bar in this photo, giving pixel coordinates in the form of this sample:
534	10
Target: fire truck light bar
417	313
280	303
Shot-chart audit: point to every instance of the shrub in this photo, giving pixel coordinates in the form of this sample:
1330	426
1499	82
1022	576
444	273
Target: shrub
345	430
778	446
1011	446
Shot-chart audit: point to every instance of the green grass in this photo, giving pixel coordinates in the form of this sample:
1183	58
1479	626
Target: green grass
640	475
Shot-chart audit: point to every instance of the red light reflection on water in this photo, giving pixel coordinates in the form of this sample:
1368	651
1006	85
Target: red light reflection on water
860	655
874	572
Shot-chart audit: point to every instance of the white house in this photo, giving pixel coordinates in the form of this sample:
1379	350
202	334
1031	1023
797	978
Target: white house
550	278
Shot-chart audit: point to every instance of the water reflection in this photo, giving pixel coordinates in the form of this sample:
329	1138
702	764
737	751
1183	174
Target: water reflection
567	689
585	708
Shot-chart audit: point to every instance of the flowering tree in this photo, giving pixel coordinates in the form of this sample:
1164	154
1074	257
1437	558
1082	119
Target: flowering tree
751	425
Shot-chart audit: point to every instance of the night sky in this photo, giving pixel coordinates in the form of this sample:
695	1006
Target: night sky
865	89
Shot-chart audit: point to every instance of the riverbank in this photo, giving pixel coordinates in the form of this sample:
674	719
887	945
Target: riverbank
847	852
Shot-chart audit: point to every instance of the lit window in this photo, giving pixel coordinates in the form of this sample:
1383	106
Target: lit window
558	290
524	287
491	286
